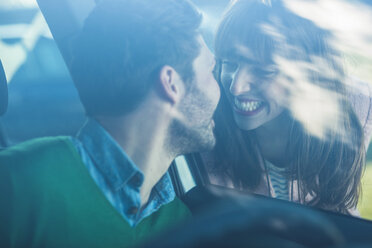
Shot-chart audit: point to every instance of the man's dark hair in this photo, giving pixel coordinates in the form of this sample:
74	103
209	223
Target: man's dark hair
124	44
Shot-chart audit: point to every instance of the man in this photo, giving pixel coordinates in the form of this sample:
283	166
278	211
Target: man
144	76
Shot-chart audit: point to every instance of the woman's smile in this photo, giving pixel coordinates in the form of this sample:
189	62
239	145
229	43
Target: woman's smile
246	106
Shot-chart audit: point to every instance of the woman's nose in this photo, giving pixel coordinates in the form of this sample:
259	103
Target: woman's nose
242	82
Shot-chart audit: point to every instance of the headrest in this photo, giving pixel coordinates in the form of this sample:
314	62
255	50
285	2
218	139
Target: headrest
3	91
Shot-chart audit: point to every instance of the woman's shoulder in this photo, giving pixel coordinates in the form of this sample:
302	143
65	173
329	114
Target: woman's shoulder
359	94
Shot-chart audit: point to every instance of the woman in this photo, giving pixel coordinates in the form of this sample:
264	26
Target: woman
284	126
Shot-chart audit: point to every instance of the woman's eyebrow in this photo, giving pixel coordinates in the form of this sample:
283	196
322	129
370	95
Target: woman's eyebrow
233	54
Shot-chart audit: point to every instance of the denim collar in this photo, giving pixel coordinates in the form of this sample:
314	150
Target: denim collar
109	158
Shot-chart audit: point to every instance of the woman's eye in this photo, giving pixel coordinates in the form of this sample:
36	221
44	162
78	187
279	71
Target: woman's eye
271	73
265	72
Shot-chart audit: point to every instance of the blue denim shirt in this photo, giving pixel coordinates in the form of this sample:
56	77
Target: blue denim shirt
116	174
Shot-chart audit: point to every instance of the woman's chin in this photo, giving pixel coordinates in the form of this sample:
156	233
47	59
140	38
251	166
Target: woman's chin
247	125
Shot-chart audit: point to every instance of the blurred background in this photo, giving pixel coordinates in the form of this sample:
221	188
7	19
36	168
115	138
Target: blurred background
44	102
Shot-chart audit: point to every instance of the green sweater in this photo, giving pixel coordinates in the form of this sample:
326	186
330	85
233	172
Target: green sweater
48	199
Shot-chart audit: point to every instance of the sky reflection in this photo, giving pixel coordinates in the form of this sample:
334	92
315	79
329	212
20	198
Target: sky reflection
346	29
350	23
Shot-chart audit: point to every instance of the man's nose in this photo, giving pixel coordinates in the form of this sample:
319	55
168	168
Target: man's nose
242	82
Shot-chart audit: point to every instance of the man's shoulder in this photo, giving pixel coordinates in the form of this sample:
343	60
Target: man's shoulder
39	166
39	150
37	145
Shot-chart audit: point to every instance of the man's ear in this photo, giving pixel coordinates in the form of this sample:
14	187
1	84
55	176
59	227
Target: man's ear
170	84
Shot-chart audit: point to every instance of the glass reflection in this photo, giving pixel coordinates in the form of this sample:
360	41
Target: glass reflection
291	124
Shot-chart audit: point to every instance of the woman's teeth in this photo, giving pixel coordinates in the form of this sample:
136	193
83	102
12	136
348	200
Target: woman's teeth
247	106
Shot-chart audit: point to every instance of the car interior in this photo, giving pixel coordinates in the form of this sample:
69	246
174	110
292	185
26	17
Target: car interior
3	99
43	102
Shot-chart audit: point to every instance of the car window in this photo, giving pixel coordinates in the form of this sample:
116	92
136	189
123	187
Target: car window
42	99
346	26
44	102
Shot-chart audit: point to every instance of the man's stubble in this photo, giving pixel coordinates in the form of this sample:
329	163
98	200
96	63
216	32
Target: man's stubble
196	133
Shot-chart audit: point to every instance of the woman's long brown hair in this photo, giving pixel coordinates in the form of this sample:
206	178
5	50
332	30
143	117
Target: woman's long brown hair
328	169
